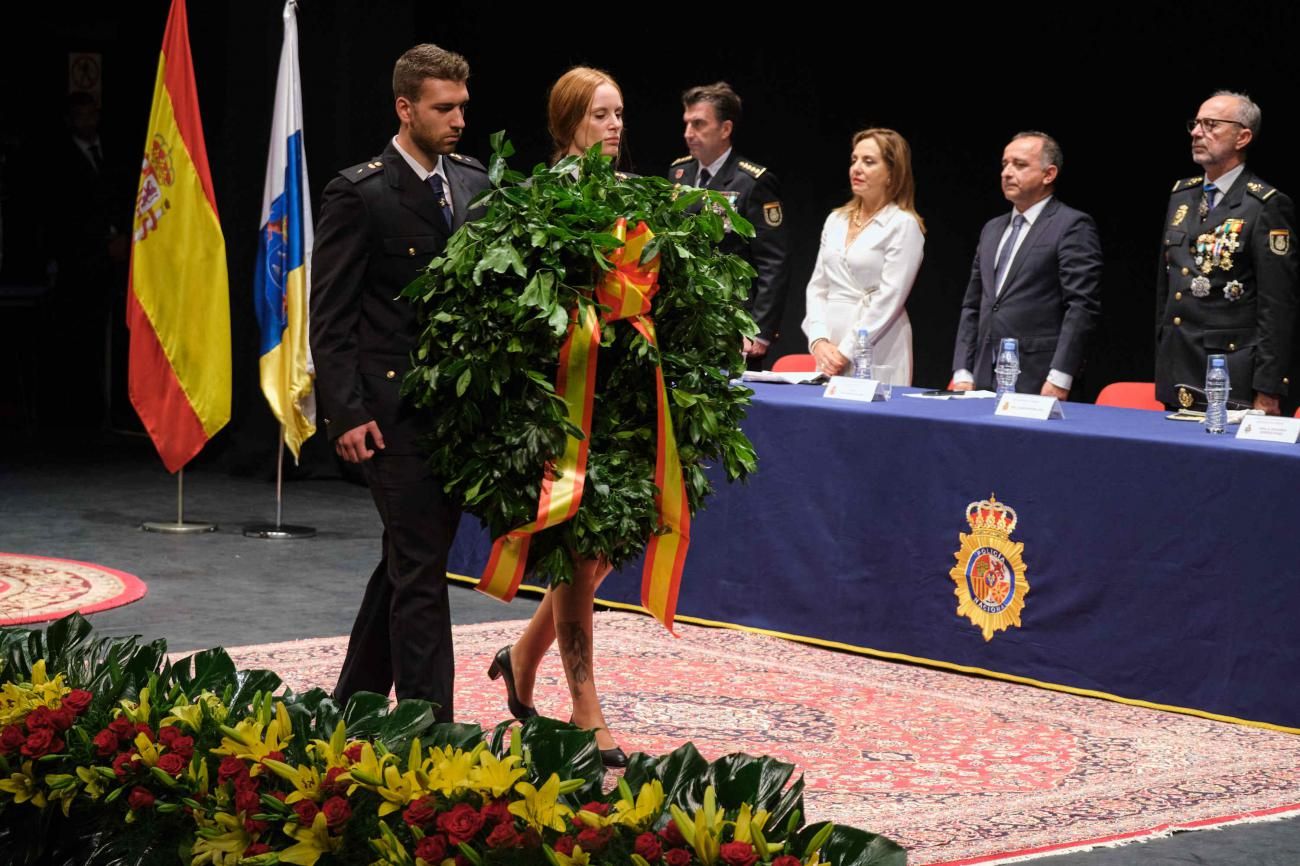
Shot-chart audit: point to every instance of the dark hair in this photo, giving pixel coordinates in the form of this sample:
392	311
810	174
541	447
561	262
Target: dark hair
1052	154
725	101
426	61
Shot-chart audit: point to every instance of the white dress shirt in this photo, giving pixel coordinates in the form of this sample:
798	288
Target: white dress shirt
423	174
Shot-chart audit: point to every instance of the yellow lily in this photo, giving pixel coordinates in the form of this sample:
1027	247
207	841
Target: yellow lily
311	842
306	780
138	711
398	789
220	845
647	808
496	775
369	771
541	809
93	782
252	740
331	751
449	769
191	714
577	858
23	787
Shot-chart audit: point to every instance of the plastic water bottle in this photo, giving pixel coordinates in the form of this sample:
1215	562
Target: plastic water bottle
1216	394
862	355
1008	366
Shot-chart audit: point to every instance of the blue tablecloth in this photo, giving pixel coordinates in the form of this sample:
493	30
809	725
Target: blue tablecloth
1162	561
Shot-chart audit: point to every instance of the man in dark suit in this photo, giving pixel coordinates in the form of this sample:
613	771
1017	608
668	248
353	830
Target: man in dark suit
712	112
382	222
1228	272
1036	277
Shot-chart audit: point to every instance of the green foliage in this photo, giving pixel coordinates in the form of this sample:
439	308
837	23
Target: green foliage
496	308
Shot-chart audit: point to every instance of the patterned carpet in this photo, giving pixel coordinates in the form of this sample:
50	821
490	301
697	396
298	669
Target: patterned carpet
38	588
960	770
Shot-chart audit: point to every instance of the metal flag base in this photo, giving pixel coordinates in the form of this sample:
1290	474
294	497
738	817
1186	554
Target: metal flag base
178	528
181	526
278	530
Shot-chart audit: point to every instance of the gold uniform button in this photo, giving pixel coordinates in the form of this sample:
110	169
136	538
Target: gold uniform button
1178	296
410	251
1186	272
390	375
1286	381
1178	320
1232	347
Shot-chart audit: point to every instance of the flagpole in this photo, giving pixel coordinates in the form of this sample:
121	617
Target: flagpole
180	527
279	529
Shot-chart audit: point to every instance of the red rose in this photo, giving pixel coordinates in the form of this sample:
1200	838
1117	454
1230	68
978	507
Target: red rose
277	755
530	838
331	783
649	846
497	812
142	728
421	813
738	854
139	798
255	828
256	848
461	824
105	743
247	782
337	812
677	857
306	811
353	752
123	763
564	845
432	849
183	746
172	764
462	860
593	840
41	742
280	795
672	835
40	718
123	727
230	768
63	718
77	700
12	739
247	802
504	835
596	809
168	734
786	860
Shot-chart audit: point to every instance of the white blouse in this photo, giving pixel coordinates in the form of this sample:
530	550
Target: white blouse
866	284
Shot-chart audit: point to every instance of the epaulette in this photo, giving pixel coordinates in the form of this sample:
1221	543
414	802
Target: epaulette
750	168
1187	183
1261	191
363	170
467	160
682	159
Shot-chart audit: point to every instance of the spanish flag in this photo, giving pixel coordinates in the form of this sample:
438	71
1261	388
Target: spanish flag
282	281
178	306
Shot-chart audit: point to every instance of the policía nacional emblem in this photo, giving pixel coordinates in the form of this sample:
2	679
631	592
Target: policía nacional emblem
1279	241
990	573
1179	215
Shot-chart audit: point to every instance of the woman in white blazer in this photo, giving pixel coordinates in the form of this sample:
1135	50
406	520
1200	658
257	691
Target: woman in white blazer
871	249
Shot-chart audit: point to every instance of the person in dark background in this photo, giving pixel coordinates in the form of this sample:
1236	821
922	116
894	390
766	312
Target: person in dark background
712	112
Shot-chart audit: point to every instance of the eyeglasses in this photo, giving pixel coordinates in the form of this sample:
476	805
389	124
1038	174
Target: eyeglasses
1209	124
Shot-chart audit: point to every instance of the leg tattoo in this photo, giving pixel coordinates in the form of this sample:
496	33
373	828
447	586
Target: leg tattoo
575	650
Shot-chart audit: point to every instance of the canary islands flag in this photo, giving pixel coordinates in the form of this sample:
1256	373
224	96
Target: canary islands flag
178	305
283	278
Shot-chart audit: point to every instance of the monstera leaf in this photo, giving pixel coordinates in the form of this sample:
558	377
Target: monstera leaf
552	746
848	846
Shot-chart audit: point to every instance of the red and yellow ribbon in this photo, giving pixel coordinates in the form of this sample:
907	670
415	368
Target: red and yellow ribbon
626	289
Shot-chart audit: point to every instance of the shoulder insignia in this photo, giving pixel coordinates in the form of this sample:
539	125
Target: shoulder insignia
1187	183
467	160
750	168
682	159
363	170
1261	191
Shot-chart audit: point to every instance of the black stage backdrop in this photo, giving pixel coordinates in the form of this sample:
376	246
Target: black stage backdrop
1113	83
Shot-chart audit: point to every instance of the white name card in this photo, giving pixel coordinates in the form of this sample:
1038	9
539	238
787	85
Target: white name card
1264	428
1032	406
848	388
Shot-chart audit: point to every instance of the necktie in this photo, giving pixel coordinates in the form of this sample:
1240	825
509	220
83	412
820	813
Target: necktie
1207	199
96	158
435	182
1004	257
705	177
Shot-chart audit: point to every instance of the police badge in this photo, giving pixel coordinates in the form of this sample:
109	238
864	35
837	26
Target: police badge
990	573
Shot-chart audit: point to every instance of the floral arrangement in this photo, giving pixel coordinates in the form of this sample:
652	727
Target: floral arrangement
122	757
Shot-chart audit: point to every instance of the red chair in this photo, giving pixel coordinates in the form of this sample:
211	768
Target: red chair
795	364
1130	395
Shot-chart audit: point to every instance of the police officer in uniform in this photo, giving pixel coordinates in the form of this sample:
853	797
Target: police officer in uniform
1228	273
712	112
381	223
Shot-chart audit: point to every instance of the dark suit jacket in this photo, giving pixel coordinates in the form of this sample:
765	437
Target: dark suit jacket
758	199
1248	309
380	225
1050	300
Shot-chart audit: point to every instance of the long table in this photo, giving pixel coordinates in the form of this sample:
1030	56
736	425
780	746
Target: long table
1161	562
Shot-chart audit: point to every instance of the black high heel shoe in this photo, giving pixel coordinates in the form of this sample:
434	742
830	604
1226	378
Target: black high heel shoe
613	759
501	669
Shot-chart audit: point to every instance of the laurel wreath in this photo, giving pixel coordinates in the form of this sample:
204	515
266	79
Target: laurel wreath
495	309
